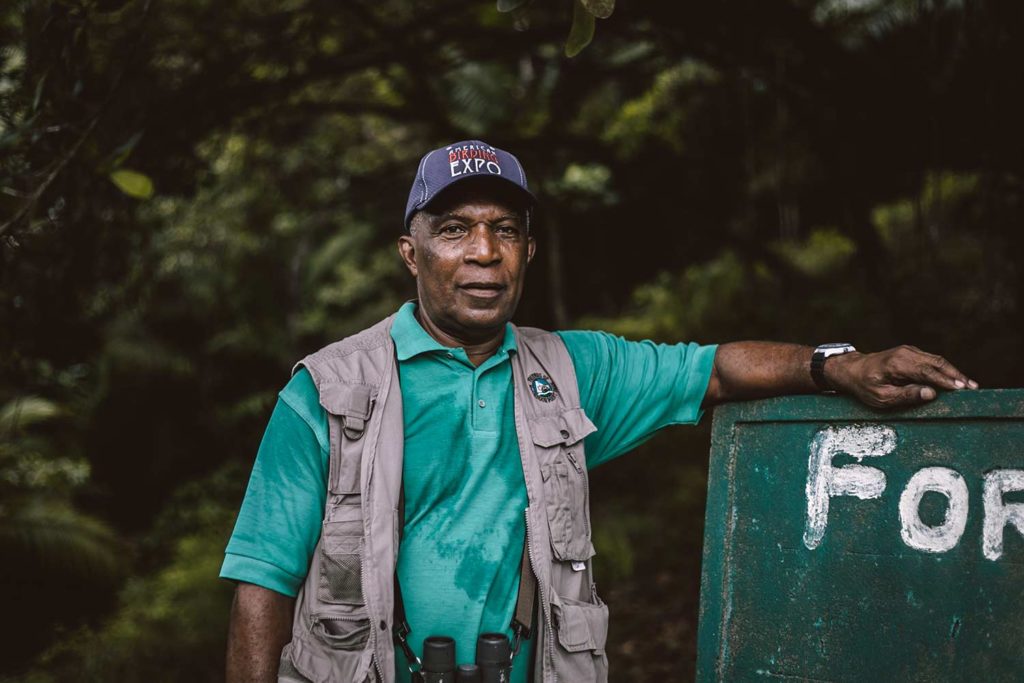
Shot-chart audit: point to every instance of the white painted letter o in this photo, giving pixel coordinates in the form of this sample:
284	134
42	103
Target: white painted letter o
945	536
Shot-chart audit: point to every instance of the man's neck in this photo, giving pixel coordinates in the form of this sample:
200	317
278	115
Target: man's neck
477	349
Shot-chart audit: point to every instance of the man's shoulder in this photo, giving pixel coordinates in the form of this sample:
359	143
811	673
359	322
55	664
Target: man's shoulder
339	358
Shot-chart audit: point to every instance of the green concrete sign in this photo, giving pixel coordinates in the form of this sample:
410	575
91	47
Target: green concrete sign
844	544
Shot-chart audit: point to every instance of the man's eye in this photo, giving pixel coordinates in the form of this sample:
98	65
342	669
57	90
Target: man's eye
452	229
507	230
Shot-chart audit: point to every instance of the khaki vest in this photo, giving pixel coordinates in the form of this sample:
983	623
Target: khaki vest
342	629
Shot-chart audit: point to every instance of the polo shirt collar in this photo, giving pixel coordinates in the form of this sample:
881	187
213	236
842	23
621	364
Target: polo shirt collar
411	339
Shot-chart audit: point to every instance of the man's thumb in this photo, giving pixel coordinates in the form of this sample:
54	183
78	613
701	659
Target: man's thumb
916	393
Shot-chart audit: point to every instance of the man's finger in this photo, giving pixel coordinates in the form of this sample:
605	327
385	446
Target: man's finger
934	376
935	370
961	380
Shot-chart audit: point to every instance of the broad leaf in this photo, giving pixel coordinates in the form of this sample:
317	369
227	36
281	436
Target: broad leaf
582	31
133	183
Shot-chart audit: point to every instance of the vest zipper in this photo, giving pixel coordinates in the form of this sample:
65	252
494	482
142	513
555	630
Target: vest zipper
373	626
546	605
586	491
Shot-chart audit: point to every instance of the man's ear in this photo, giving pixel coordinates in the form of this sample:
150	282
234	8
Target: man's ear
407	250
531	247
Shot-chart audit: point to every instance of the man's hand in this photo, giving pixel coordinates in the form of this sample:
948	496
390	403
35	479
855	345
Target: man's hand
261	624
896	378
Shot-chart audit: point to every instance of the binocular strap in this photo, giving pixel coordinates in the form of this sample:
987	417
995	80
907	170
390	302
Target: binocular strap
522	620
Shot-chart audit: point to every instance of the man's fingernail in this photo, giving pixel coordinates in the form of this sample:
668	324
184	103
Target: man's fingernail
973	384
959	384
927	394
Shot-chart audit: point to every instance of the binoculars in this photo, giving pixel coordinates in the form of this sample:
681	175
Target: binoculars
493	661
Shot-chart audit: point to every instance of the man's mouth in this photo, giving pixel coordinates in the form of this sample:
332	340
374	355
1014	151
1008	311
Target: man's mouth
483	290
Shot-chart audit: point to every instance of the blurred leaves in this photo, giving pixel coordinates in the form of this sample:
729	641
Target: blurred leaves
49	536
581	31
176	615
800	171
25	411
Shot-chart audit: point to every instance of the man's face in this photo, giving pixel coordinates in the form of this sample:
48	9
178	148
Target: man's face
468	253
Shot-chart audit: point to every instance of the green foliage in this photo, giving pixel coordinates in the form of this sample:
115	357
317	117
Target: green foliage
132	183
171	624
184	212
49	536
825	252
582	30
584	12
45	540
658	112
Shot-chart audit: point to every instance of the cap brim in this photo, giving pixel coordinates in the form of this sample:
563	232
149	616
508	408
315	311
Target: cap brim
506	185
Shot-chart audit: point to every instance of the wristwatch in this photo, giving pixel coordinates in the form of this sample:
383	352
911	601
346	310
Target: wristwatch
823	353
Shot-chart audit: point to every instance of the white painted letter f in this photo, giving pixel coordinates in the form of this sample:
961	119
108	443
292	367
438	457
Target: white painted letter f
825	481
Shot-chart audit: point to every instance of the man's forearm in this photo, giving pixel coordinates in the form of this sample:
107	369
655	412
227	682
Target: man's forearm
261	624
757	369
894	378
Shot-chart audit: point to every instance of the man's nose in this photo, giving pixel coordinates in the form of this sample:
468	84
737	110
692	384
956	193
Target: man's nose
483	245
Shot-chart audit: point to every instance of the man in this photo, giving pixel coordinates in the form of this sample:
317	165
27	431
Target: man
486	421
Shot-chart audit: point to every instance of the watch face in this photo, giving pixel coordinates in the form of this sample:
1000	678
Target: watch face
835	349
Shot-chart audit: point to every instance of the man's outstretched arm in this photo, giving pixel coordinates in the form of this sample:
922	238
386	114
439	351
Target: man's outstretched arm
261	625
899	377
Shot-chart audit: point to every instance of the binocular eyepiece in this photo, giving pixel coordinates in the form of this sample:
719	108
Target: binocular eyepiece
493	660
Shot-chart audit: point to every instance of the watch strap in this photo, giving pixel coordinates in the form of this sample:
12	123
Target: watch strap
821	354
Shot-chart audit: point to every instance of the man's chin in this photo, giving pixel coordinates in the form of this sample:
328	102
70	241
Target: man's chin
485	319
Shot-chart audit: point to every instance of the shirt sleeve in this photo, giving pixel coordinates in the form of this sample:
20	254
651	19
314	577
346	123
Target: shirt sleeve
631	389
279	522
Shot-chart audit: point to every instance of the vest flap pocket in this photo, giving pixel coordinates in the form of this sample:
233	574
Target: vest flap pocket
567	428
581	626
352	402
320	656
343	631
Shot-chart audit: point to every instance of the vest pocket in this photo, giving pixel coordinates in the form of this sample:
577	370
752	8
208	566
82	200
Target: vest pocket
581	631
343	631
558	444
341	556
566	493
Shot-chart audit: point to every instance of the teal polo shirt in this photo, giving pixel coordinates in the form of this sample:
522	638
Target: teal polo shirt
459	559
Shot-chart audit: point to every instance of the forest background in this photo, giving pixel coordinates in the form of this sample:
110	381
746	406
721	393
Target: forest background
194	194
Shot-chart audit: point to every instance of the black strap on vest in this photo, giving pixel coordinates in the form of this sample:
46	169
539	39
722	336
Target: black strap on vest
401	628
522	619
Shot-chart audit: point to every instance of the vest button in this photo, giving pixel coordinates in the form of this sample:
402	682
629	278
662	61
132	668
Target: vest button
383	625
564	433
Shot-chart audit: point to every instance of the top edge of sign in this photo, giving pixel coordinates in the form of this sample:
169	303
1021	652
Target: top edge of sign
980	403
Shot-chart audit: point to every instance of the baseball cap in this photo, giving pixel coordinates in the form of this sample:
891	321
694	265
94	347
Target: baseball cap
443	167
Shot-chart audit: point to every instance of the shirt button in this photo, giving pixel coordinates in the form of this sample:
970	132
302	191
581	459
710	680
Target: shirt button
481	403
451	355
564	434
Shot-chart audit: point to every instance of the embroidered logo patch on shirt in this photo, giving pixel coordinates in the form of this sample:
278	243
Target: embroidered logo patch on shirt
542	387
